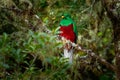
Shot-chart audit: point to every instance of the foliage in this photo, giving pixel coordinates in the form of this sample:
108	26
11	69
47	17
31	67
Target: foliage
14	54
27	52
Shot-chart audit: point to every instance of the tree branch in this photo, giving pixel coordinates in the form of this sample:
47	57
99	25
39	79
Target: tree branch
94	56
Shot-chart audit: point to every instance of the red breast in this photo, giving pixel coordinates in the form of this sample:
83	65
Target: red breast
67	32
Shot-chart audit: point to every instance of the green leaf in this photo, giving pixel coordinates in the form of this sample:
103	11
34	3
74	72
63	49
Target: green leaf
105	40
100	34
29	40
4	38
32	47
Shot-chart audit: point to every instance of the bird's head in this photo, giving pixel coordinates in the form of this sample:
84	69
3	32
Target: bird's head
66	15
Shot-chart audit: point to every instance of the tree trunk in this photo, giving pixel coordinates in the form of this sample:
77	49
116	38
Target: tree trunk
116	29
115	19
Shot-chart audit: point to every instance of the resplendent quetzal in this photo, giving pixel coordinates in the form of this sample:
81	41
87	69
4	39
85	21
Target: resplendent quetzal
68	30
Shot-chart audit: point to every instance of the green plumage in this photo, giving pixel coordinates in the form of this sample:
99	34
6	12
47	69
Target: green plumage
67	20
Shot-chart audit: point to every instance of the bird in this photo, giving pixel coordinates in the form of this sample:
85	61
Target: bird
68	34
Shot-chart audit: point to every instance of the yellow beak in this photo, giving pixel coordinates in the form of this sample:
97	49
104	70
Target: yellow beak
62	16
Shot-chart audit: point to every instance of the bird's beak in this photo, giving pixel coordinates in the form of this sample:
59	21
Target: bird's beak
63	16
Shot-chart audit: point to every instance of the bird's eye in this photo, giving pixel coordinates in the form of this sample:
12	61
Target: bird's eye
62	16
